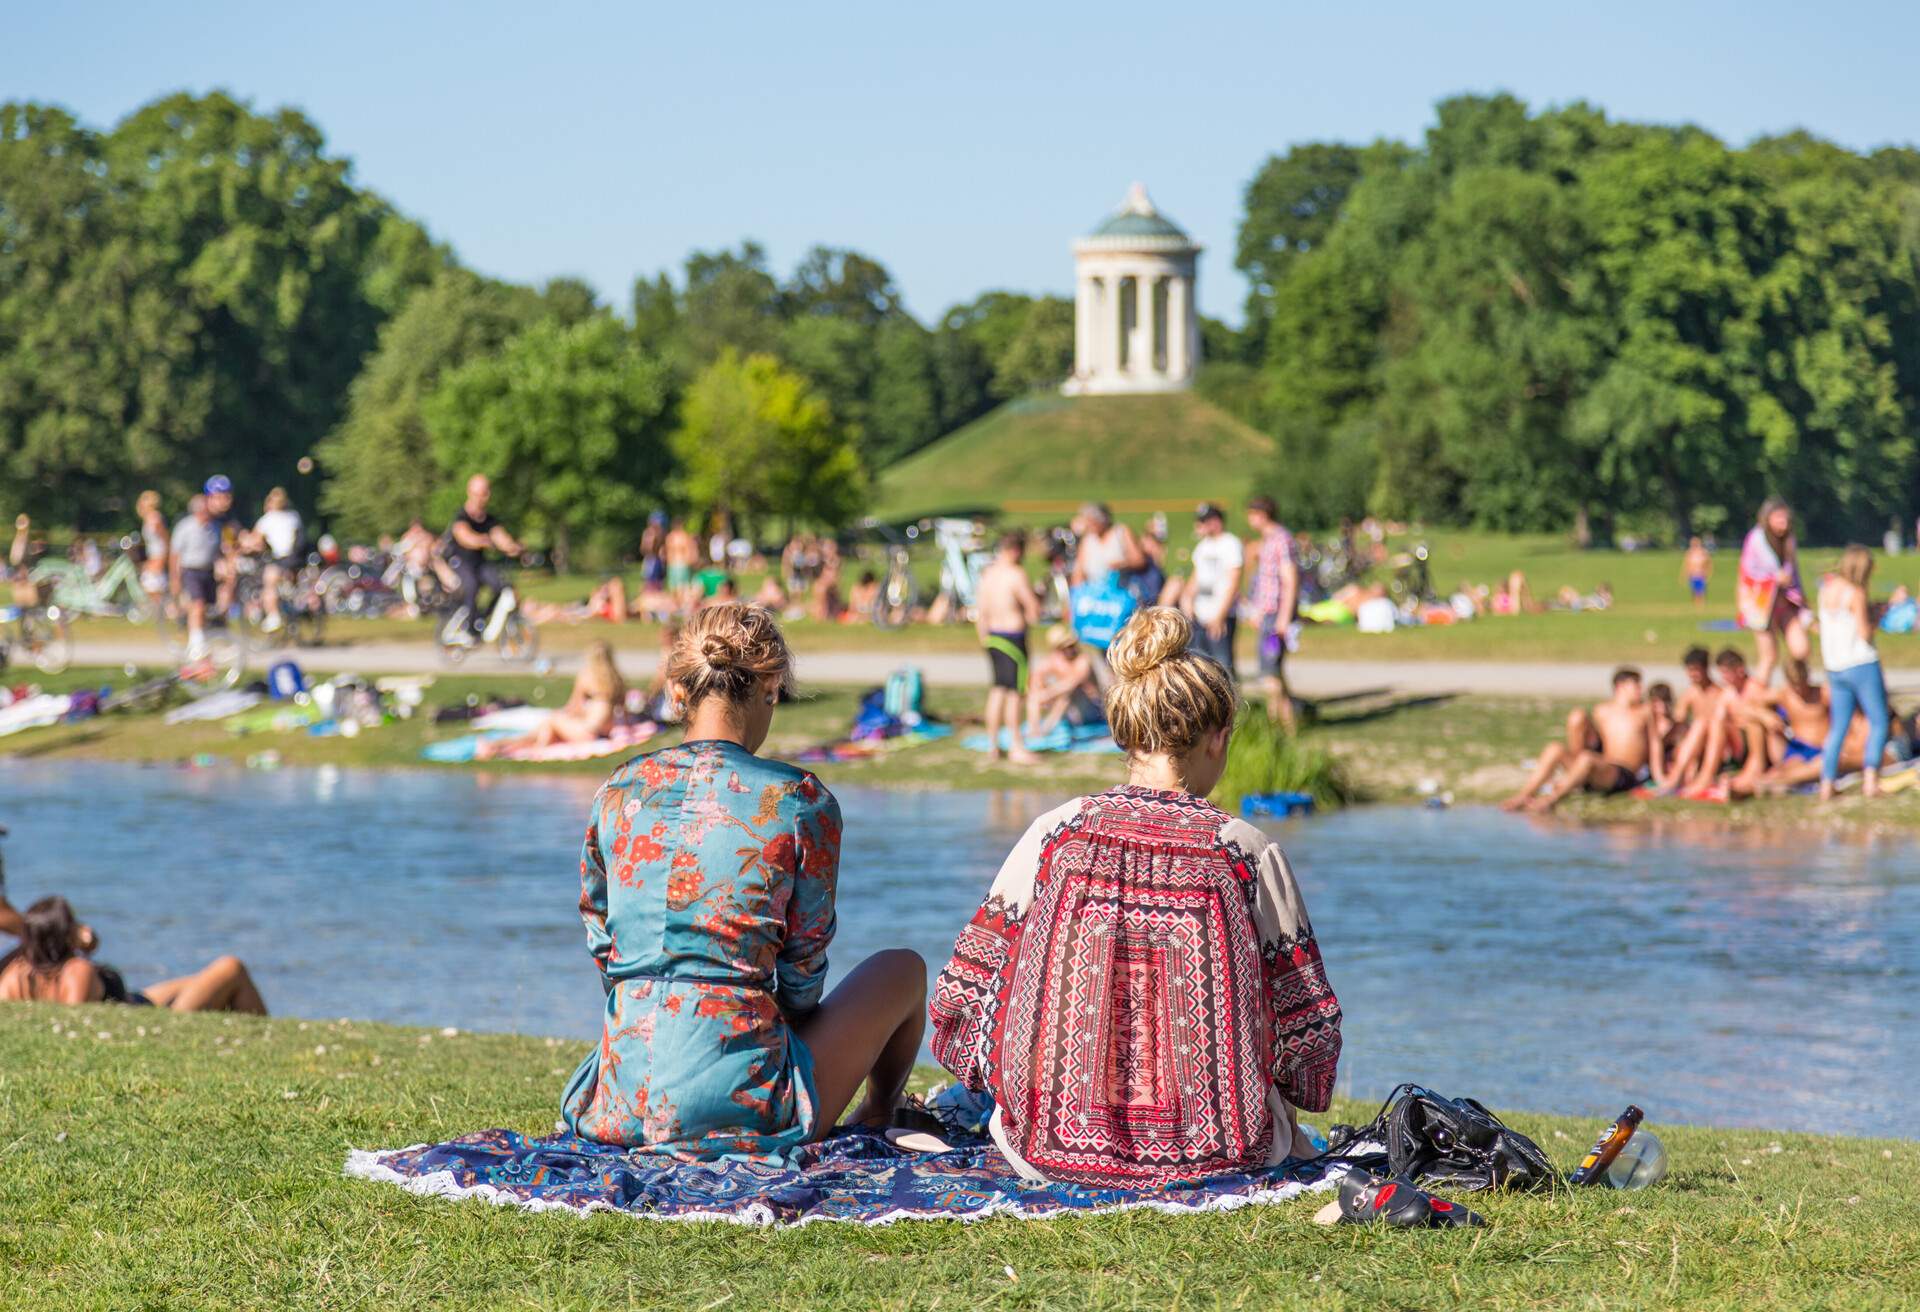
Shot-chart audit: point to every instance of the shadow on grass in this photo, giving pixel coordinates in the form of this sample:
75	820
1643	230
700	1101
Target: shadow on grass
1367	715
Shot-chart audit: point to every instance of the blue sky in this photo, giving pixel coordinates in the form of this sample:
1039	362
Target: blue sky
962	145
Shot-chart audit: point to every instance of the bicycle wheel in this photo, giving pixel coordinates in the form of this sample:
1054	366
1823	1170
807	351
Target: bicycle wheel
44	640
519	640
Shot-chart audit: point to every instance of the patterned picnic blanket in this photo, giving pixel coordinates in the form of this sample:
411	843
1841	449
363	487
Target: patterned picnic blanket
851	1176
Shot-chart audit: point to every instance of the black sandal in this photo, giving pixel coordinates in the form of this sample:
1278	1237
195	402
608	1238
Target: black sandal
1366	1198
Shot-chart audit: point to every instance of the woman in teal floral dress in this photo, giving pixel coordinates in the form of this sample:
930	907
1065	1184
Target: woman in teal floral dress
707	888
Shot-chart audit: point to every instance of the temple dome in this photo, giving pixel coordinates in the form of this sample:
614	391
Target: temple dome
1137	225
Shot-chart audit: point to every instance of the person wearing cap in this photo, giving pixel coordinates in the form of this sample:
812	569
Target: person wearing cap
1274	599
1213	589
1062	685
218	491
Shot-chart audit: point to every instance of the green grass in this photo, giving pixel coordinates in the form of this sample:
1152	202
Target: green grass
1043	455
198	1165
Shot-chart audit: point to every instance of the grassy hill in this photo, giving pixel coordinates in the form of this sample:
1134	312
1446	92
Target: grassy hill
1043	455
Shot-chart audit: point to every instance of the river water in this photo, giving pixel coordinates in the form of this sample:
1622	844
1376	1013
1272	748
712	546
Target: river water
1712	976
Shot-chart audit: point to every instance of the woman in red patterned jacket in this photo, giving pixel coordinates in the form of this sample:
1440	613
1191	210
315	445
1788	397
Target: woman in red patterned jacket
1140	992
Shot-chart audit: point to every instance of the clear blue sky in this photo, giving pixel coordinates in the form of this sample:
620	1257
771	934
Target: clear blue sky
962	145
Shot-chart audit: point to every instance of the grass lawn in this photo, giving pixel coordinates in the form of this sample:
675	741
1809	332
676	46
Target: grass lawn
1652	619
197	1164
1044	455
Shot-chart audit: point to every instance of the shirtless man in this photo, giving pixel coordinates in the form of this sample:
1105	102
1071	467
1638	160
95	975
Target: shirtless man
681	554
1727	741
1692	711
1606	750
1793	746
1006	607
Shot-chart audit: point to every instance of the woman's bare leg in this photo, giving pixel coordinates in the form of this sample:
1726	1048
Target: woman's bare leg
223	984
1767	655
868	1029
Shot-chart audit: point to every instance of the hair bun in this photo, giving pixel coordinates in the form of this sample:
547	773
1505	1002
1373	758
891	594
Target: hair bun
718	652
1150	639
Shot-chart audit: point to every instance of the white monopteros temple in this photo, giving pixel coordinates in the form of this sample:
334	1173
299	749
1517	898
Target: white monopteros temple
1135	326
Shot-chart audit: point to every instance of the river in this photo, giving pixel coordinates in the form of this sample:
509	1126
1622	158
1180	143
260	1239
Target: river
1712	976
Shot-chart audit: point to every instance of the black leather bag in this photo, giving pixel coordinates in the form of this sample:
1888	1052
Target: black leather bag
1455	1143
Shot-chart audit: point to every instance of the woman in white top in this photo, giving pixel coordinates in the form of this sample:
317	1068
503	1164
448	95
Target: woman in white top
280	531
1853	668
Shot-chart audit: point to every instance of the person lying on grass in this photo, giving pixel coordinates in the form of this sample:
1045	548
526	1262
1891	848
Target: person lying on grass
52	965
594	707
1141	993
708	878
1610	749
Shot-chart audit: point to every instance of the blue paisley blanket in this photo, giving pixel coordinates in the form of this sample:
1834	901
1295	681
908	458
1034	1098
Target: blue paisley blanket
852	1176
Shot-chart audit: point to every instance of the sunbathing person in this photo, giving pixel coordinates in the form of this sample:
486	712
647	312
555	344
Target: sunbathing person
1784	728
1668	728
1793	732
1608	750
862	599
1727	744
1062	685
51	965
1140	992
598	700
707	887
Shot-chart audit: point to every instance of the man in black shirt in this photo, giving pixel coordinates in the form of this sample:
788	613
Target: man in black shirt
473	533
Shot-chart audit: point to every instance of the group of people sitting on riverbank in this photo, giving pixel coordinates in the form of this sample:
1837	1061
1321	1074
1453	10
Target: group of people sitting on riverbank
1730	733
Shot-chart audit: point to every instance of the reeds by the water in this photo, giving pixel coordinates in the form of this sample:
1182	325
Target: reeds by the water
1264	757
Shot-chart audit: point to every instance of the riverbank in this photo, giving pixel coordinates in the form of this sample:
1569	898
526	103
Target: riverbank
197	1164
1394	748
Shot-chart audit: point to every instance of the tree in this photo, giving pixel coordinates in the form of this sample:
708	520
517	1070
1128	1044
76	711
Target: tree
730	300
1291	205
381	464
755	438
844	285
570	424
1040	354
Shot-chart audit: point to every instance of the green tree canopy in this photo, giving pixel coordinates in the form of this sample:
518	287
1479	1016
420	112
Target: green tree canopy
757	439
569	422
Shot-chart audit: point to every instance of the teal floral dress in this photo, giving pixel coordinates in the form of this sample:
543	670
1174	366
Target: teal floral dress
707	887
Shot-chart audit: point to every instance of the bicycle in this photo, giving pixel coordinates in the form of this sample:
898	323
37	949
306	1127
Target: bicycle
303	616
221	661
507	629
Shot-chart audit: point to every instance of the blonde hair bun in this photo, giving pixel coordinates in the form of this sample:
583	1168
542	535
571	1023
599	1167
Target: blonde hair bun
1166	696
1150	639
725	651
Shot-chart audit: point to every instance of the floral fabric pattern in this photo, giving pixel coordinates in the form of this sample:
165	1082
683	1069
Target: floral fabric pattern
707	889
1141	994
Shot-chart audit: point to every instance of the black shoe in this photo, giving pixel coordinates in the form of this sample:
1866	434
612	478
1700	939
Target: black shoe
1367	1198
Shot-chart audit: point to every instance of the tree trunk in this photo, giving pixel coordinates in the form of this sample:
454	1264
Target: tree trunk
562	550
1582	528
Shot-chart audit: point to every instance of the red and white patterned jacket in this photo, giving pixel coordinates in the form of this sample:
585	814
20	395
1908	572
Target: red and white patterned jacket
1141	994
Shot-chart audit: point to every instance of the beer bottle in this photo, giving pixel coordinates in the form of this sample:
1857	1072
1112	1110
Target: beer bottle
1593	1167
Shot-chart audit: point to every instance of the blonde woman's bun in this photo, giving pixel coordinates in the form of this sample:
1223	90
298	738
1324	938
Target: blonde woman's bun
1165	696
726	651
1150	639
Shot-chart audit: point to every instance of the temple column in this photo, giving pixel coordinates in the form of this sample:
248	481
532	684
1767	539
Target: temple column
1082	315
1178	329
1140	351
1116	321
